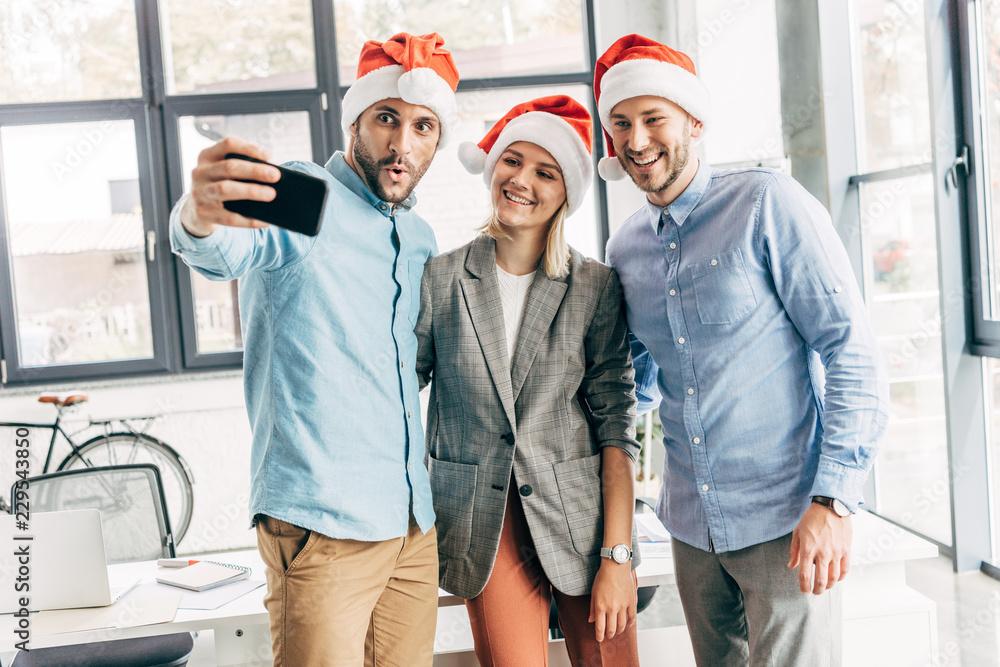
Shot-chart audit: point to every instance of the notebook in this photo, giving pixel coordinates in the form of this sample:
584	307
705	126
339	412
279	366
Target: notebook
203	575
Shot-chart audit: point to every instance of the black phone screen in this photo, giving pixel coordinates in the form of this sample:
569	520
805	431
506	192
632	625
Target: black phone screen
297	206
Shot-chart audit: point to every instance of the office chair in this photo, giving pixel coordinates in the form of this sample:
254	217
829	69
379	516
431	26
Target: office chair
136	527
644	594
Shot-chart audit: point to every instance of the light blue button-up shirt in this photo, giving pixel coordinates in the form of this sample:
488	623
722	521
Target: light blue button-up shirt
749	329
329	377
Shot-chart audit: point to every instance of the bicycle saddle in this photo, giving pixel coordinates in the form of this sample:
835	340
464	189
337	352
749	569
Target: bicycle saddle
63	400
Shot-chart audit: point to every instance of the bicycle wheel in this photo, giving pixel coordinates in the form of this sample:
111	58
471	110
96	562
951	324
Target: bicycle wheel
125	448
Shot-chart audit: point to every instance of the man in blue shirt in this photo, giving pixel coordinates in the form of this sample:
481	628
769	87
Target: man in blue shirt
339	492
749	330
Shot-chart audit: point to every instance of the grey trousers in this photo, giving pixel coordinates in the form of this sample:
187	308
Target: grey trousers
745	608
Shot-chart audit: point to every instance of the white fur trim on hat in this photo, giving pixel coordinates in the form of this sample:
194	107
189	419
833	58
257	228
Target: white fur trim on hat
557	137
420	85
633	78
472	157
611	169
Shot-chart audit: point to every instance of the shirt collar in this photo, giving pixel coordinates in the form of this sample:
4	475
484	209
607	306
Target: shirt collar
352	181
680	208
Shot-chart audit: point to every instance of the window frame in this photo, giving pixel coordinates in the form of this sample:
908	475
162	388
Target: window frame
156	120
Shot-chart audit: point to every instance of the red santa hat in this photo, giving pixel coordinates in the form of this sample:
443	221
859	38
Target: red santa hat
414	69
557	123
635	66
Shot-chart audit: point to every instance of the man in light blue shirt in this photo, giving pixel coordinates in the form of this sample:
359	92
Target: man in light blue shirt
750	332
339	492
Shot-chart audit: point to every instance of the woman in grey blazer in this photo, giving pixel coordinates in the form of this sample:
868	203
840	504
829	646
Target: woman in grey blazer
531	422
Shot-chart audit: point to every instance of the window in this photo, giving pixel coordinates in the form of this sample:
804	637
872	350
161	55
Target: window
108	106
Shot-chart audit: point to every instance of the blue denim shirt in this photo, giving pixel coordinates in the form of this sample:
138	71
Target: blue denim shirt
749	329
329	377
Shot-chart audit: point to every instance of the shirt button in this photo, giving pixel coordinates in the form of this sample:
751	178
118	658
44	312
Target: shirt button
408	415
697	441
673	292
838	289
401	364
673	245
382	207
690	390
525	490
704	487
681	340
714	262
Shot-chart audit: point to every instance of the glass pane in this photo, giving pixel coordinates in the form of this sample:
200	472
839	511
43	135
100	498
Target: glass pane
286	137
232	46
68	50
79	271
993	395
456	203
725	31
989	64
487	38
894	123
898	227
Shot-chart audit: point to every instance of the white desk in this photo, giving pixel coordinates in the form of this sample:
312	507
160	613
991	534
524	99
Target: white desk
882	616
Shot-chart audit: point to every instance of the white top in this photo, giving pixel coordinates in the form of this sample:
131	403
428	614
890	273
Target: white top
513	296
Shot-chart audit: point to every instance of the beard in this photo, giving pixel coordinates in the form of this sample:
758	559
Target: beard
372	168
676	160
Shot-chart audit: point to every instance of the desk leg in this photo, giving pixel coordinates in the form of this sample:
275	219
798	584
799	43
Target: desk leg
250	645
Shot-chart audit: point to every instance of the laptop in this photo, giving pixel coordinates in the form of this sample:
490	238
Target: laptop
66	564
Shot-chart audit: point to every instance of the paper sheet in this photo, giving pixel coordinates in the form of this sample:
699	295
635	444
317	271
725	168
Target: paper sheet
216	597
648	526
127	613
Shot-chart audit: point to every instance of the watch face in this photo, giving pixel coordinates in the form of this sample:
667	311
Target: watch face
620	553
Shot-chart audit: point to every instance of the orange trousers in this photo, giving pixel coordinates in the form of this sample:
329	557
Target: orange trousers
510	618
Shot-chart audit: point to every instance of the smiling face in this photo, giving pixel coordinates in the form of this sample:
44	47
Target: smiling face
392	145
527	187
652	139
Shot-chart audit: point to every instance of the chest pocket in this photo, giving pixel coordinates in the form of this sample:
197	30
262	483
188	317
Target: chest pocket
416	271
721	288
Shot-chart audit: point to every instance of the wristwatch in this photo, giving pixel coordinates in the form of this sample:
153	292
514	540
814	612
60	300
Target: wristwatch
840	508
620	553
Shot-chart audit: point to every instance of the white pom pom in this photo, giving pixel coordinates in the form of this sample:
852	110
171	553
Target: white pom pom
419	86
610	169
472	157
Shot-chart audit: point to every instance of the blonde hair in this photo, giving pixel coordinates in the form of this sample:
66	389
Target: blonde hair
555	258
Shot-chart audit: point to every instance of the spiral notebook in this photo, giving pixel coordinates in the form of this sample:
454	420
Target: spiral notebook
204	575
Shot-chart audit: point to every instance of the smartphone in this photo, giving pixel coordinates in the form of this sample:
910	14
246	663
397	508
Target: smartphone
297	206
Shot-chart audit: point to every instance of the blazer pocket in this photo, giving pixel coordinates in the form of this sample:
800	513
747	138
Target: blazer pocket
722	290
453	486
579	482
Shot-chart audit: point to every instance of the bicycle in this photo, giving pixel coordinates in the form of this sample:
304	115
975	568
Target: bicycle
120	447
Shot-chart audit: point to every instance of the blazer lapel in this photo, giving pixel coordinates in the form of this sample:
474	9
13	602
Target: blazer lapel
482	298
543	303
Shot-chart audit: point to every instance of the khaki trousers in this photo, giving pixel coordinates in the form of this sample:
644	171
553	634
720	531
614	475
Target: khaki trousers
347	603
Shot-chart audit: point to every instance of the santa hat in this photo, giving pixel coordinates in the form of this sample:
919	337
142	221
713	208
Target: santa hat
414	69
634	66
557	123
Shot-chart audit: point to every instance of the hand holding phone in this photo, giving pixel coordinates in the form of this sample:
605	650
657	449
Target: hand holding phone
298	203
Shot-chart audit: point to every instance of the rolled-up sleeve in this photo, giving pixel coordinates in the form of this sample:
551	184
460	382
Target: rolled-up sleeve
813	278
608	383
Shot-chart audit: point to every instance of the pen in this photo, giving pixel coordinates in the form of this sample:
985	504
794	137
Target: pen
175	562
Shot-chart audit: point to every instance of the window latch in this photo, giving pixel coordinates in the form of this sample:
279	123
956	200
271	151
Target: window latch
961	162
151	245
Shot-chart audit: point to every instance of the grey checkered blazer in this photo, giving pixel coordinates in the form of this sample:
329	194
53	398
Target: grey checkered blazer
545	417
